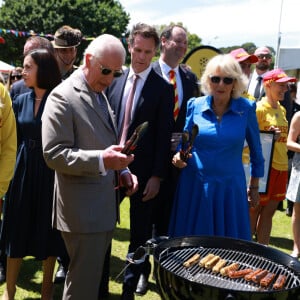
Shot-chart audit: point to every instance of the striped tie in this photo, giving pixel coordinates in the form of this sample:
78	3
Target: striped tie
176	104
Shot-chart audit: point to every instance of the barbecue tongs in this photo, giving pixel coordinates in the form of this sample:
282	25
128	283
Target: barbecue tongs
187	142
131	144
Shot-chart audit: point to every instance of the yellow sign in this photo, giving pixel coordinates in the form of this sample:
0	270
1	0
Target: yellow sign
198	58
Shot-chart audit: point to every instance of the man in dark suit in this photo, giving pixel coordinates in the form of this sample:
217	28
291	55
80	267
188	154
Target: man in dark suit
173	46
79	137
152	102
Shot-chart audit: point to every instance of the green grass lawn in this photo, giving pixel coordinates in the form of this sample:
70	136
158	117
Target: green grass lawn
29	282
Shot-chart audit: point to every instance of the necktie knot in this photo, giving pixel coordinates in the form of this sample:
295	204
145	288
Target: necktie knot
172	75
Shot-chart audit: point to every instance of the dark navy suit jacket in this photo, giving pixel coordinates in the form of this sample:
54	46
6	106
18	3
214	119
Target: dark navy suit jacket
190	89
155	105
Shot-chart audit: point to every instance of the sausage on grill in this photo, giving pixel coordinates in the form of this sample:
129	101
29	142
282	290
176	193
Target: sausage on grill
279	283
212	262
205	259
257	277
265	282
239	273
224	271
249	276
191	261
220	264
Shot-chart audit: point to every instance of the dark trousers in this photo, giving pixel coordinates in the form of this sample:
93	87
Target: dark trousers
104	283
164	202
141	221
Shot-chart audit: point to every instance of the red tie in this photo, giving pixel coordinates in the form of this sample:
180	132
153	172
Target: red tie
176	104
128	109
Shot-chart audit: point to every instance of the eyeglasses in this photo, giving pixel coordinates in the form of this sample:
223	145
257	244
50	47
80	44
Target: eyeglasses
14	77
106	71
217	79
264	56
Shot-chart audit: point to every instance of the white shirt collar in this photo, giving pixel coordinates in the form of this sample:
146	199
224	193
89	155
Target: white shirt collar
143	75
166	68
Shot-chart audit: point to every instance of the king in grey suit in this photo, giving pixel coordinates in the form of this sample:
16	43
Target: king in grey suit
78	132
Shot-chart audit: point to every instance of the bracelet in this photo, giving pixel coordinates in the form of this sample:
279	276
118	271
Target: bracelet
252	187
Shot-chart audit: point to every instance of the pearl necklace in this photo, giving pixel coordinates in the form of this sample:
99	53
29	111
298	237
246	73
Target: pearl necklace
38	99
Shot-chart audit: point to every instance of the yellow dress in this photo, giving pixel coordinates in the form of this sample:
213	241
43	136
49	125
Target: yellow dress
8	140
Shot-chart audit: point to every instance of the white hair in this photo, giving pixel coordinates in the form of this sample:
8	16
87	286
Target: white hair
227	64
105	43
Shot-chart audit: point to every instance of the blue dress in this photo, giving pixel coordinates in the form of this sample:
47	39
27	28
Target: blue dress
211	195
27	219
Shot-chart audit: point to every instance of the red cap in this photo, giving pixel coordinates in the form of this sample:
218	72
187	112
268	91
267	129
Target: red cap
241	54
278	75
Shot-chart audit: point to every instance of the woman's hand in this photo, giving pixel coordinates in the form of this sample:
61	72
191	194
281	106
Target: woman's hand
177	162
277	132
253	197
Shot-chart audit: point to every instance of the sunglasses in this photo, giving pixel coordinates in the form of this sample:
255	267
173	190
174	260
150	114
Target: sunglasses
217	79
106	71
15	77
264	56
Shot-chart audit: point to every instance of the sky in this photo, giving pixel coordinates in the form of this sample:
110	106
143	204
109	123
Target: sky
224	23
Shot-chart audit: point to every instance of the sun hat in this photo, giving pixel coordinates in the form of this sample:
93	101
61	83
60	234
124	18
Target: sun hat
67	37
278	75
241	55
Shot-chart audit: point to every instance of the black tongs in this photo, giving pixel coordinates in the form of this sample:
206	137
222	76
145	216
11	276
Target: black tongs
131	144
187	142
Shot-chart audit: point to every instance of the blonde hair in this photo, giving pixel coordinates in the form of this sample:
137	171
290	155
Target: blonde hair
228	65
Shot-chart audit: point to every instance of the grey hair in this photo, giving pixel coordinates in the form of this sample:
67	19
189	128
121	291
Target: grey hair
228	65
105	43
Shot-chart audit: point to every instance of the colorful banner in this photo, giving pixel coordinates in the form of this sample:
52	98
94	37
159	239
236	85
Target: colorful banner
18	33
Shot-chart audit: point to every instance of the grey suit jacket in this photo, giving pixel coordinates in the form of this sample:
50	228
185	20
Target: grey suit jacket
74	129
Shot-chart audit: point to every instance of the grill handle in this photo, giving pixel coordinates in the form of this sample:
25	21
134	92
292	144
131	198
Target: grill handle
153	243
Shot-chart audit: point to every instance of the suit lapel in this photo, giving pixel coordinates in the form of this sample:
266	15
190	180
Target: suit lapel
87	95
147	89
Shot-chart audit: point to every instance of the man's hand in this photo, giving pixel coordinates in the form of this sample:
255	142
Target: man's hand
130	182
152	188
113	159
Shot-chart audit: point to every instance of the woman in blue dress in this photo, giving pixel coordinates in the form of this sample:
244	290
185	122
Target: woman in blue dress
212	196
27	229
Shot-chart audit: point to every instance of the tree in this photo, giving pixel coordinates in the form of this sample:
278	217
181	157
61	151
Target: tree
194	41
249	47
92	17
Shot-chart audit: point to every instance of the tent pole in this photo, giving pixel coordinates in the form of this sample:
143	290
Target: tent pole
279	38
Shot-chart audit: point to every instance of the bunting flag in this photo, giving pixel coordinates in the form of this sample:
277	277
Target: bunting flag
18	33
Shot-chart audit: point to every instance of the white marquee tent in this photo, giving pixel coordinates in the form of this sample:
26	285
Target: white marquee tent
289	58
5	67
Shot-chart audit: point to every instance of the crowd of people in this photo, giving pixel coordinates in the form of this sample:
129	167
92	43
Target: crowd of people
64	170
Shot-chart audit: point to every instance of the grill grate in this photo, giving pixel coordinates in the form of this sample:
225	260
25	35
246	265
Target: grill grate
172	259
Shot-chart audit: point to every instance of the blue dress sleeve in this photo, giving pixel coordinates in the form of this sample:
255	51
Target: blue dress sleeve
189	120
253	140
